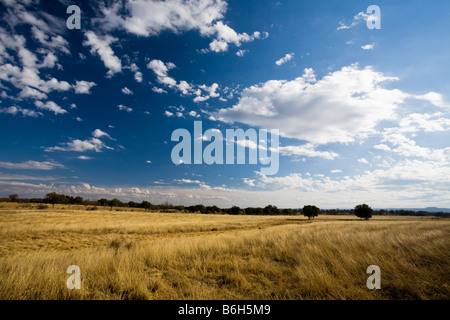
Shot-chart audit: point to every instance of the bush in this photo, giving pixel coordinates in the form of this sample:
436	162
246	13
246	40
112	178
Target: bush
42	207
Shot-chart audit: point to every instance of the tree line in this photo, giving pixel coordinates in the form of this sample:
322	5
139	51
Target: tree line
363	210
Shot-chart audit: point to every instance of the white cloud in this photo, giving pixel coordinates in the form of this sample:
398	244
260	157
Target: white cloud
201	98
286	58
407	147
50	106
161	71
137	74
168	113
127	91
84	158
83	87
91	144
24	73
151	17
336	171
158	90
427	122
360	17
124	108
99	133
343	106
218	46
14	110
102	47
194	114
434	98
50	41
307	150
368	46
32	165
241	53
363	161
382	147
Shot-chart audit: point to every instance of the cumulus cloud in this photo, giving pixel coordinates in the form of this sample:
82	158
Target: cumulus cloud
363	161
50	106
161	70
99	133
14	110
357	19
368	46
342	106
102	47
84	87
159	90
194	114
121	107
407	147
286	58
241	53
434	98
209	90
91	144
127	91
151	17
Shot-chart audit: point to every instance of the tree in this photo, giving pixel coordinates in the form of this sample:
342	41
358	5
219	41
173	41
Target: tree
13	197
271	210
363	211
103	202
146	205
115	203
78	200
52	198
234	210
133	204
310	211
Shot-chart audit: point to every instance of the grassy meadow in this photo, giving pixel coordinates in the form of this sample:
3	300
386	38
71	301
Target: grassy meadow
140	255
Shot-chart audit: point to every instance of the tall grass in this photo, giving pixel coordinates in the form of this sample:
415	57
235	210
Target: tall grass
175	256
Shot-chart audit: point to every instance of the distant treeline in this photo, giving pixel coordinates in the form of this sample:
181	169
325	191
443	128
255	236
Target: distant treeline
54	198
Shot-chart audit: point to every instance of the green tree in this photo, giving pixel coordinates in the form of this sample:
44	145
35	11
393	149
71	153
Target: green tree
13	197
146	205
103	202
52	198
115	203
234	210
363	211
310	211
78	200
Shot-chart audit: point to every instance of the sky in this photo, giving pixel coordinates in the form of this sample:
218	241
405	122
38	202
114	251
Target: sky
360	99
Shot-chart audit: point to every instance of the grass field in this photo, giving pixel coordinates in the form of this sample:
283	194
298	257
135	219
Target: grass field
140	255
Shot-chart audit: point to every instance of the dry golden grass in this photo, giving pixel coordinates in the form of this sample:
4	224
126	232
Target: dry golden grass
138	255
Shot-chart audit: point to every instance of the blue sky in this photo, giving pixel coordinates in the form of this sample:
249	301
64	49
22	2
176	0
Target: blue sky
363	114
